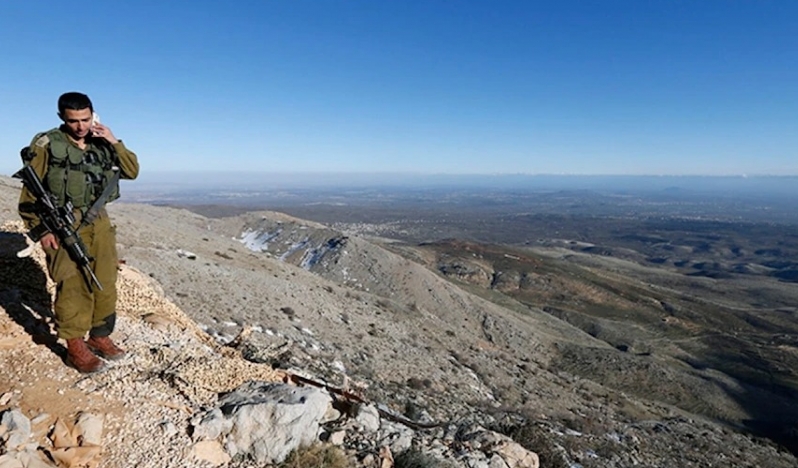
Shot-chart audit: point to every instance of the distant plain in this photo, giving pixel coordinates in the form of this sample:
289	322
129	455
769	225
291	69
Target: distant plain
701	272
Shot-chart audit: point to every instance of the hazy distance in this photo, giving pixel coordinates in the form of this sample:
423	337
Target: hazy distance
734	198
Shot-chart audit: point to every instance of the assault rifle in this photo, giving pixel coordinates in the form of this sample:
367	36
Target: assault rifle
59	221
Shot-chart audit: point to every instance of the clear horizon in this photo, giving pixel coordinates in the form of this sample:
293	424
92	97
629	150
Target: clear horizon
328	174
455	174
265	182
620	87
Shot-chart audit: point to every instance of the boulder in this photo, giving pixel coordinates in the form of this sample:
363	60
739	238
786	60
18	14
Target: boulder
493	444
265	421
368	418
18	429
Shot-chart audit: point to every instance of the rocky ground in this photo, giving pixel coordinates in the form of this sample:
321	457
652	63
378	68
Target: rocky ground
428	367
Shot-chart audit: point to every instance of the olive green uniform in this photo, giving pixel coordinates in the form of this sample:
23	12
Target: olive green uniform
79	309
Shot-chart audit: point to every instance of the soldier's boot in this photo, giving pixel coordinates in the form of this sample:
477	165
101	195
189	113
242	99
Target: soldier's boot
104	347
81	358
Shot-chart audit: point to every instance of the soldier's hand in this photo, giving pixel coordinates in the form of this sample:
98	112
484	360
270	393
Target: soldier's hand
49	241
101	131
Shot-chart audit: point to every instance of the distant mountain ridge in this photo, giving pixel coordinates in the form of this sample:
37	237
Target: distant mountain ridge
743	184
392	321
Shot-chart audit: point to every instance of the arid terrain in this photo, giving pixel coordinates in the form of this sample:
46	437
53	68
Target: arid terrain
594	341
693	289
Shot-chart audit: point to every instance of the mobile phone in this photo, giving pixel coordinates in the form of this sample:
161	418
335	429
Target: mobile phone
95	119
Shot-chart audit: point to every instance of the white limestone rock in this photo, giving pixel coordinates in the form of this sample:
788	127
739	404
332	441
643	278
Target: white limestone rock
265	421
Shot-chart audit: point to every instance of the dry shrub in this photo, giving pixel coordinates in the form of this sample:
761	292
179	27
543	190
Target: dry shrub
533	438
419	384
415	458
316	456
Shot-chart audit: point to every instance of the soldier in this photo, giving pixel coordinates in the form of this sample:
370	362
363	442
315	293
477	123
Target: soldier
76	162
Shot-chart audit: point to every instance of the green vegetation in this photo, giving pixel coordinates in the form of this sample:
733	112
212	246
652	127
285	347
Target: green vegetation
316	456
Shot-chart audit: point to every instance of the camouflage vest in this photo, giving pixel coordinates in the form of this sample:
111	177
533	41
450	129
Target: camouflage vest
79	176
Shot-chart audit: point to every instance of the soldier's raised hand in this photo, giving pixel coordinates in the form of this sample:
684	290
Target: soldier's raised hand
101	131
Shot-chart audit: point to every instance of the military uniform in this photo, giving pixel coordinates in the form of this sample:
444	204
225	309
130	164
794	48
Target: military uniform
80	176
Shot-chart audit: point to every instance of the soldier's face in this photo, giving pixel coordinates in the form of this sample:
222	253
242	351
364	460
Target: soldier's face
78	122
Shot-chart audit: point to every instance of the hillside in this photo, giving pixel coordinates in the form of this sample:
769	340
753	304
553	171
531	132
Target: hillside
312	301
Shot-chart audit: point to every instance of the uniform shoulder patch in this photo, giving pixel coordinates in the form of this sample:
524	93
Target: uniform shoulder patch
42	141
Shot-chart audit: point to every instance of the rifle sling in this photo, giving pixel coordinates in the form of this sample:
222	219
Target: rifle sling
99	203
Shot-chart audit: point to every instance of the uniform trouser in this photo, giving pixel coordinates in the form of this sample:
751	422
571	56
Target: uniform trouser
77	308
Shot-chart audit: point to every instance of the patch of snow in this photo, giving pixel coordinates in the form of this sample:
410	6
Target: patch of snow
258	241
312	257
296	246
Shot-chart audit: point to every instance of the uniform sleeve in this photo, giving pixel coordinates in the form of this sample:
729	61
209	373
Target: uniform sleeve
27	202
128	161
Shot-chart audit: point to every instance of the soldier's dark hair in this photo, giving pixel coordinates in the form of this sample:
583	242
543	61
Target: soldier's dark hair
73	101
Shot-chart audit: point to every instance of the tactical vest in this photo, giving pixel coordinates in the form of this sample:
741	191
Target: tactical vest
76	175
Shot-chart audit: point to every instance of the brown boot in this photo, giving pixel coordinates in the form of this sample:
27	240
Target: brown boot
104	347
81	358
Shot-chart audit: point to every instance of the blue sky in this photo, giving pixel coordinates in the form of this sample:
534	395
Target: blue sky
570	87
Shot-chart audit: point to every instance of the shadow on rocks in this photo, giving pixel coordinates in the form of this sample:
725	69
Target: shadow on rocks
23	292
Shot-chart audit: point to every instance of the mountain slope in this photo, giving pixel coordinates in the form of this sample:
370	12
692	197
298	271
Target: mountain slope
357	316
